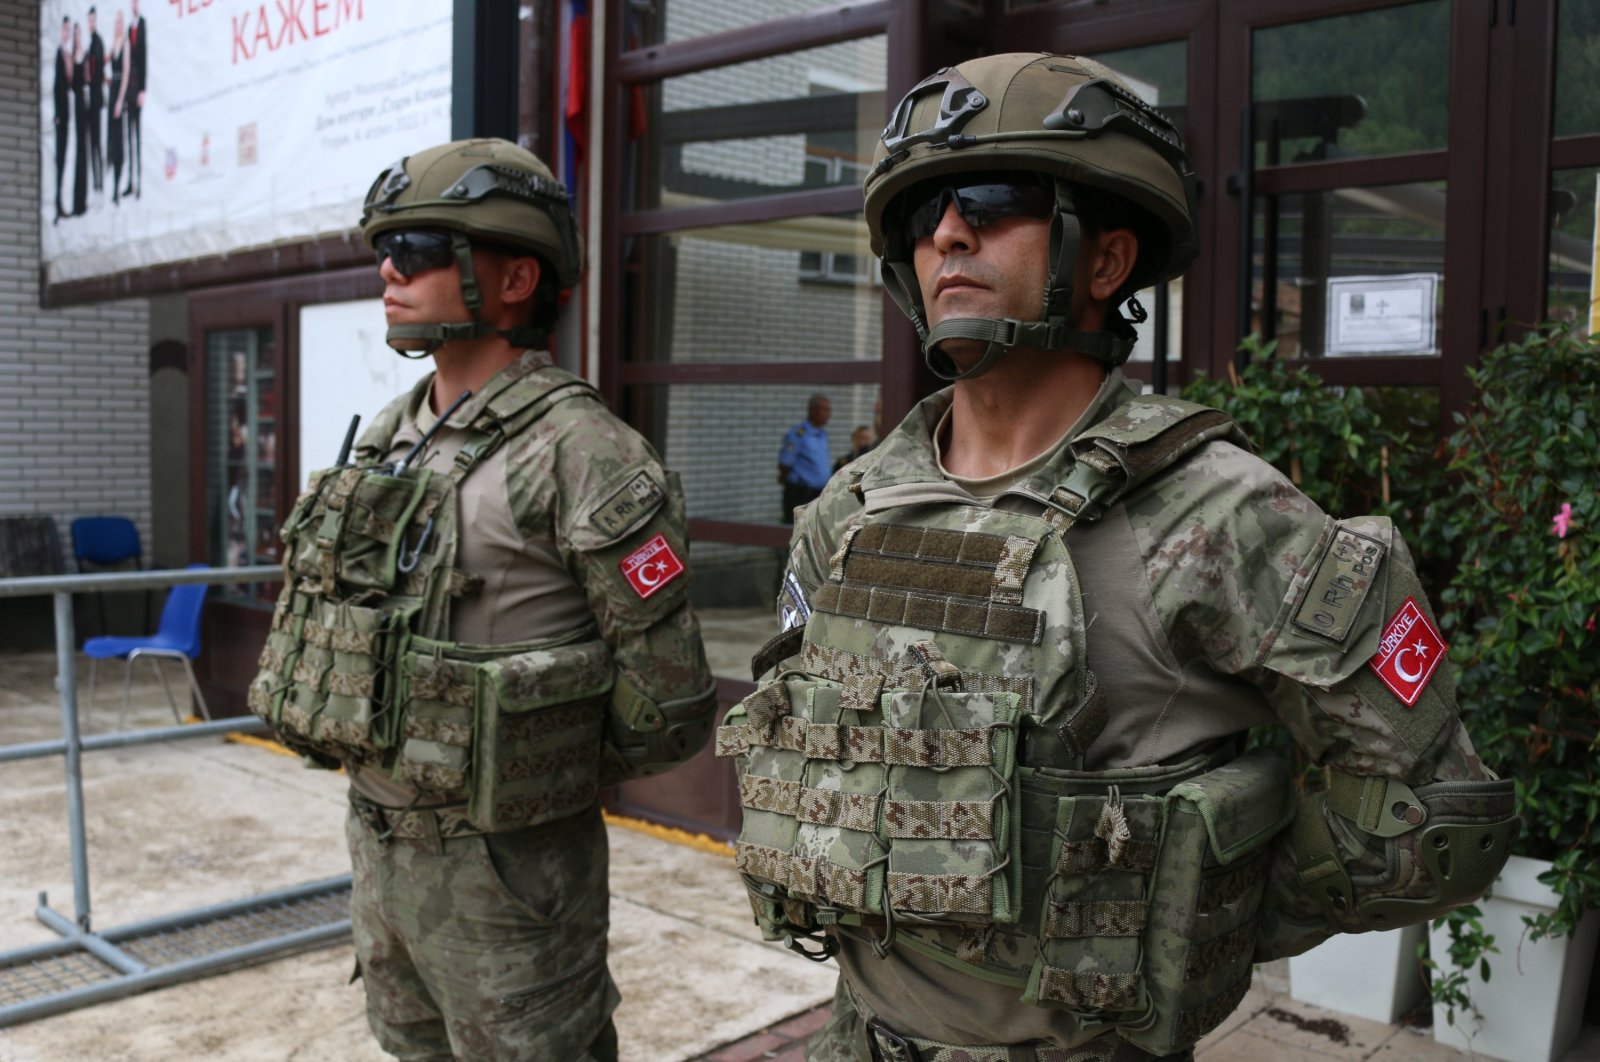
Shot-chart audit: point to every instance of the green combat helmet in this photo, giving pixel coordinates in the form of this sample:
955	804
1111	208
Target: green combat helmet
487	191
1068	118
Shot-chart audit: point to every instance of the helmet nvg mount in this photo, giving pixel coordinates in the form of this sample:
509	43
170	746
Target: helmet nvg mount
490	192
1065	117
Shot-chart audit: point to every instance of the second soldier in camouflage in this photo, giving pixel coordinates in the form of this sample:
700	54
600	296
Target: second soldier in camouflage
998	769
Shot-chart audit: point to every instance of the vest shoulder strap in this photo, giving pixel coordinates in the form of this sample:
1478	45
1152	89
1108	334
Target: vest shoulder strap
514	409
1138	440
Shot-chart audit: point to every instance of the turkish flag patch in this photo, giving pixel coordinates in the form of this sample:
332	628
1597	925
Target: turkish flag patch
1408	654
651	566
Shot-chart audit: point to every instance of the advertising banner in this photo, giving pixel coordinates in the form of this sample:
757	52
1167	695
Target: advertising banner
179	129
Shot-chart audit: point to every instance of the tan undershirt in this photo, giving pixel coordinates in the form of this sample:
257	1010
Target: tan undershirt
988	488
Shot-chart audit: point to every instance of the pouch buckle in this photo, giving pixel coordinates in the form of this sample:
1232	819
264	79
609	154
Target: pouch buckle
886	1045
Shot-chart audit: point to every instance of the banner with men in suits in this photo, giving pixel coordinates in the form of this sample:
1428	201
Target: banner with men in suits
179	129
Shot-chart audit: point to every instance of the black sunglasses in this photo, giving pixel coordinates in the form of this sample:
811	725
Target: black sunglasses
979	199
412	251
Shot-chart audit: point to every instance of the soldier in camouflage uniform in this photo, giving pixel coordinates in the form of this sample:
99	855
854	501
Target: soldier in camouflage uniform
485	619
999	770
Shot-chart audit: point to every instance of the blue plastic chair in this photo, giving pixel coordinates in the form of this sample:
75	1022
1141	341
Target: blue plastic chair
177	637
108	542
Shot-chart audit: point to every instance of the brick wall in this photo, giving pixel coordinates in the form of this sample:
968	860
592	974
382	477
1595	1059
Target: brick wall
74	383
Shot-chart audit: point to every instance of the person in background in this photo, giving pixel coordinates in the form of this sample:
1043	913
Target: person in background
862	440
63	112
80	122
804	460
116	105
95	60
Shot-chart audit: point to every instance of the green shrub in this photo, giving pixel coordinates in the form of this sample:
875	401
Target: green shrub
1521	610
1349	449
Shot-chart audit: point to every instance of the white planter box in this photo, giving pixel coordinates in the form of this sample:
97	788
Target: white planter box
1370	975
1532	1006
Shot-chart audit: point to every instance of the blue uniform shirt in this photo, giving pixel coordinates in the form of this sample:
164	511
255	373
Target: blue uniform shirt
805	454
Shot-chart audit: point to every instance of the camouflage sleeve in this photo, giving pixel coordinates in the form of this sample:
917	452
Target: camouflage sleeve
621	526
1329	620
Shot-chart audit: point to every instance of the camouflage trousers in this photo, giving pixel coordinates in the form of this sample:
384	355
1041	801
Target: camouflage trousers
488	946
855	1035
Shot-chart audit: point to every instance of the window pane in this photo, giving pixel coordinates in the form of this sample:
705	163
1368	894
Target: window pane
803	120
1375	83
1355	270
735	591
678	20
801	289
1570	293
723	439
1578	68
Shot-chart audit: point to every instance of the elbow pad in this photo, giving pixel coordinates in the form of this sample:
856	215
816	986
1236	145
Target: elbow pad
1443	843
646	736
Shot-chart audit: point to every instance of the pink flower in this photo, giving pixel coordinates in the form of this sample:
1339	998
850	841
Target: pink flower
1562	521
1590	625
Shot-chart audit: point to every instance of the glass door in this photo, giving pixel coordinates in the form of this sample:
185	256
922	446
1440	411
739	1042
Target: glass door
243	399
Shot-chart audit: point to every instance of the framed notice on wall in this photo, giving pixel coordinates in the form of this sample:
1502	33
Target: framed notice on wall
1383	314
181	129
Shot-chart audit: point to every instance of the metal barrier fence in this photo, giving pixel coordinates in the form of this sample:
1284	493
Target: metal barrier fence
87	966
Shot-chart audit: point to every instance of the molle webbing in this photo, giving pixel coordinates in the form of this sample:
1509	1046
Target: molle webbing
840	665
956	582
862	744
813	878
878	802
931	613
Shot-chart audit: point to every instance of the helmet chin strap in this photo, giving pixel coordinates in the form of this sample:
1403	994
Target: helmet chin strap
417	341
1053	332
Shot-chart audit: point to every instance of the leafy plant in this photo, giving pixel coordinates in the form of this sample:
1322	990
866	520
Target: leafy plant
1522	607
1349	449
1469	946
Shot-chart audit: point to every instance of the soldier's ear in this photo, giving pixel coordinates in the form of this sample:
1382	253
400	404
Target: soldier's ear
519	277
1112	259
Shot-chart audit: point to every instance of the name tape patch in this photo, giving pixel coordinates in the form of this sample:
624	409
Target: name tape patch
628	505
1339	588
1408	654
651	566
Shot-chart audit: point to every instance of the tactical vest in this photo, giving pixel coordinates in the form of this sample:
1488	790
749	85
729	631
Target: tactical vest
918	777
358	666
